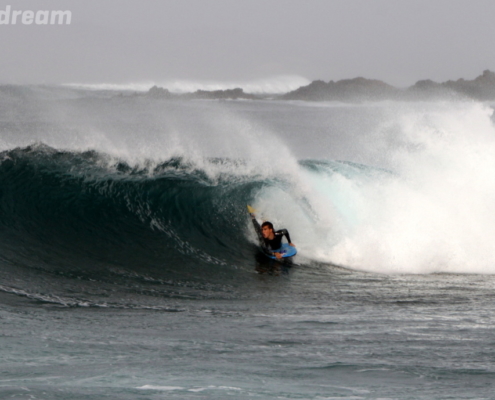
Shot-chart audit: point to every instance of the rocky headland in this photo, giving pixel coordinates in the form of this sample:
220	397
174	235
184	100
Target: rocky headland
356	90
361	89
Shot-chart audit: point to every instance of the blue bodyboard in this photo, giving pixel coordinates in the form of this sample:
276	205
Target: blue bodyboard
286	250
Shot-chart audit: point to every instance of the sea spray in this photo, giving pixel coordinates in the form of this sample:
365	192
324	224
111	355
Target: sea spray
434	211
392	187
271	85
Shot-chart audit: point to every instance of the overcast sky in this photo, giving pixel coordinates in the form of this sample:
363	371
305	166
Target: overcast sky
122	41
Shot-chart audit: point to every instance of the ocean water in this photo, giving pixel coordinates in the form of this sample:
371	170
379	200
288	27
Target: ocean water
129	268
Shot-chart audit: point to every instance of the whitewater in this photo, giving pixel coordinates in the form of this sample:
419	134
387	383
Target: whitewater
129	267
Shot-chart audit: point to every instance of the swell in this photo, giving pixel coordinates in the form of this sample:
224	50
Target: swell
85	215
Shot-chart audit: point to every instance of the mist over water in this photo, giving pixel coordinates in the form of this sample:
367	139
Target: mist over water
273	85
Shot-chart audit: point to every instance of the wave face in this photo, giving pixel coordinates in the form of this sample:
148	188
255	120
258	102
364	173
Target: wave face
82	214
119	190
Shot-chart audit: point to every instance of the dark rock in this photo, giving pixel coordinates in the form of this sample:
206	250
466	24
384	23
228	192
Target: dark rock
159	92
233	94
480	88
357	89
237	93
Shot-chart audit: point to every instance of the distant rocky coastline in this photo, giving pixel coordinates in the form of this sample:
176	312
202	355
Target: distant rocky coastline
357	90
232	94
361	89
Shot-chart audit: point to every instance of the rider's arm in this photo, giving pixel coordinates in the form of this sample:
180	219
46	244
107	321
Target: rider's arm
285	232
257	228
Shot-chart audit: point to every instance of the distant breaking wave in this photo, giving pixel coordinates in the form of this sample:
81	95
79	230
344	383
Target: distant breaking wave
277	84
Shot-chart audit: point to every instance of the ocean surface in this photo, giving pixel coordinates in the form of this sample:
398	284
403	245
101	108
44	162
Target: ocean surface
129	267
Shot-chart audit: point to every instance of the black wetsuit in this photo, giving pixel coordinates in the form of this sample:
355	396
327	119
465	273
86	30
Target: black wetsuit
270	245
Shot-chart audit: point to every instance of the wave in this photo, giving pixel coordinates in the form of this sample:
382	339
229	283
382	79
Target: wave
82	213
162	190
86	217
77	222
272	85
89	203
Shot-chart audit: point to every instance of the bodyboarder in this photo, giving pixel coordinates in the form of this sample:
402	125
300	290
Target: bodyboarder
270	240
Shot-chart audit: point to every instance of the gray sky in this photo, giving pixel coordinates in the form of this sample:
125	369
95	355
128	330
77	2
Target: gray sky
122	41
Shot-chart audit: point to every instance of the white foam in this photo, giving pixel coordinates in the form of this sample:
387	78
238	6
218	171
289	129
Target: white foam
434	213
195	390
160	388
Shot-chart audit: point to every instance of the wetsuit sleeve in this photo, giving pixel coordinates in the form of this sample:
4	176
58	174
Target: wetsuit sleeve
285	232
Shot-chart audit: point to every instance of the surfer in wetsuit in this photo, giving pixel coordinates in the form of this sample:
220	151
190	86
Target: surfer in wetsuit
269	238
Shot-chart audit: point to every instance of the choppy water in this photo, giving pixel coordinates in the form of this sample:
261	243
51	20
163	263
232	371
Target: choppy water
129	269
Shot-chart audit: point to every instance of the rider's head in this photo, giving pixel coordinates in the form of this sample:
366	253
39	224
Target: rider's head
266	229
